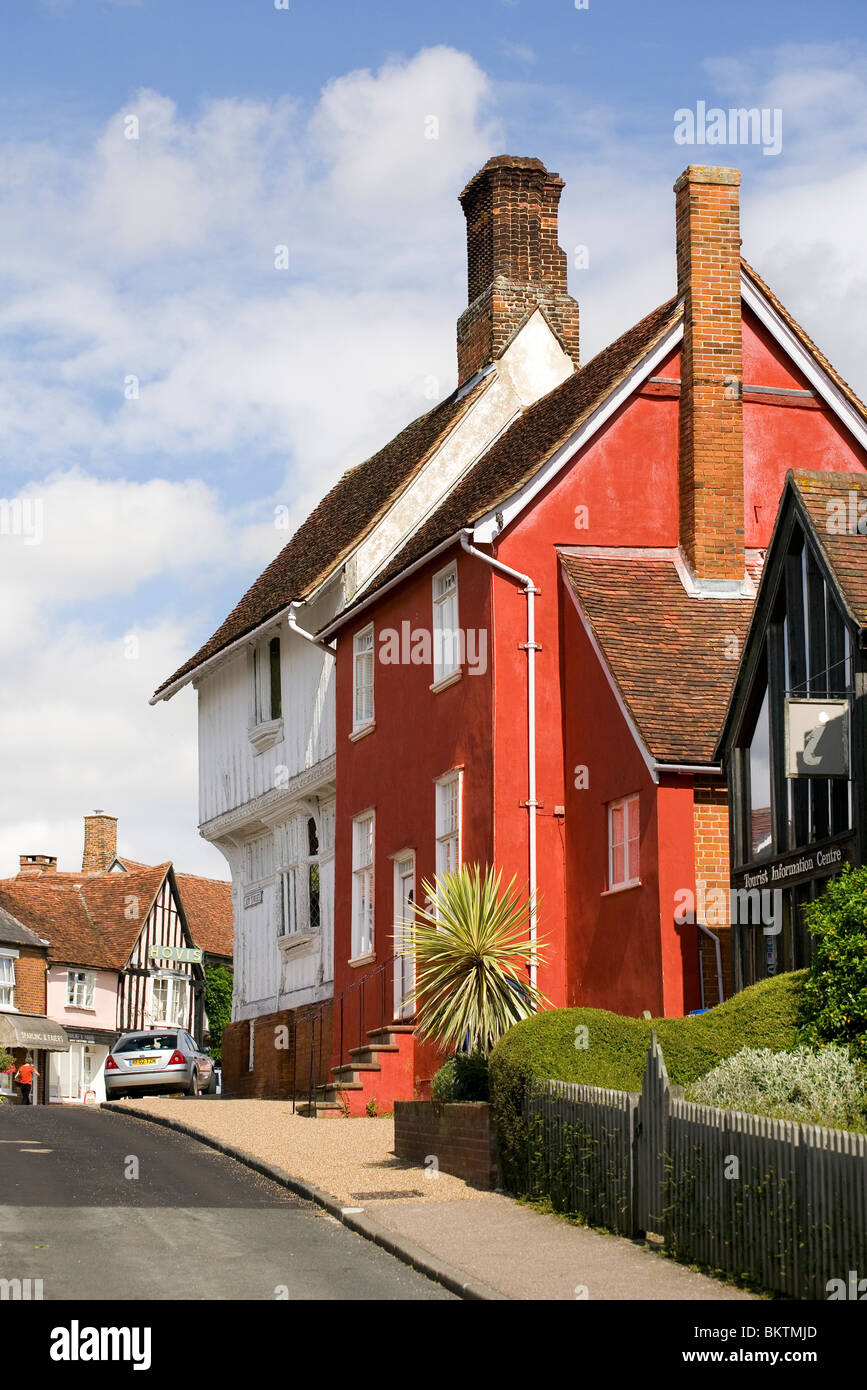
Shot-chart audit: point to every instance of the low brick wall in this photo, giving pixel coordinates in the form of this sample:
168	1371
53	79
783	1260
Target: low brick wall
459	1134
288	1047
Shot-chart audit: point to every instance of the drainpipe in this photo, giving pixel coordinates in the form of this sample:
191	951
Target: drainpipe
531	647
308	636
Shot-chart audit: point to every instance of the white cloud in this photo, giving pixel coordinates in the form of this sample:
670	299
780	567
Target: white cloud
155	257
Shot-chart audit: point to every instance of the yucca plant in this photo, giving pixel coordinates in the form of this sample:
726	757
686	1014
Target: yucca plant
471	946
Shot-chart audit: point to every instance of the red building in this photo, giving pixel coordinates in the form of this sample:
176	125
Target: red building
638	498
528	609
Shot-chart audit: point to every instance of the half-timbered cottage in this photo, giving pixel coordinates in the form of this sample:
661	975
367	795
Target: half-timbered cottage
127	948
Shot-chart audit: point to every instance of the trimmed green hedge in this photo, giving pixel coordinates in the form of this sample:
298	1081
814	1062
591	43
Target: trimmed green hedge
544	1047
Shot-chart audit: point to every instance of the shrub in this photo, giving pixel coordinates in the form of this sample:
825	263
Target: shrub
835	995
550	1045
218	1005
462	1077
825	1088
6	1061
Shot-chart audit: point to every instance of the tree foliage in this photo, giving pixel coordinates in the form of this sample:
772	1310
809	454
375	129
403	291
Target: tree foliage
835	994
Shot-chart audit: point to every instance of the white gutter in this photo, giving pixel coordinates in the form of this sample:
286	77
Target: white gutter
248	637
350	613
689	767
531	647
288	613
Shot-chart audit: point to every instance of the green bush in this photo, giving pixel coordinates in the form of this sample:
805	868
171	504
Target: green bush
6	1061
462	1077
600	1048
218	1005
835	995
824	1088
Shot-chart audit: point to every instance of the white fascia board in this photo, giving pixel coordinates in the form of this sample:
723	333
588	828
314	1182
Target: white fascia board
488	528
803	359
615	689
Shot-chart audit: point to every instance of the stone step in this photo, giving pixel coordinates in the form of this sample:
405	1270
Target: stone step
372	1051
349	1069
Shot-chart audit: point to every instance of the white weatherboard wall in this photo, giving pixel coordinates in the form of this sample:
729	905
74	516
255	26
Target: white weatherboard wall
254	804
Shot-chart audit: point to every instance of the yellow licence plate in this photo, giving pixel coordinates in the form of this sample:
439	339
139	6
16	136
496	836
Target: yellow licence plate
142	1061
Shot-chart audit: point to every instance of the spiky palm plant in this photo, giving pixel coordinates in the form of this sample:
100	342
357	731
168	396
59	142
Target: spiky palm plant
472	949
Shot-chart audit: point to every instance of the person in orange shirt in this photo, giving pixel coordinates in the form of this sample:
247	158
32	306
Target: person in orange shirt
24	1076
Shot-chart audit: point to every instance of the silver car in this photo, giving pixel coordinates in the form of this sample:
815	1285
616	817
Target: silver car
158	1059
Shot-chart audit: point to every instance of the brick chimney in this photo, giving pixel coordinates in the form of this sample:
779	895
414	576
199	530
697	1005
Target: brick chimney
37	863
711	463
100	842
513	260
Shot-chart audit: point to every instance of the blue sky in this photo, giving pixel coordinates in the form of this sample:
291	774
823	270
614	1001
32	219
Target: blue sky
153	261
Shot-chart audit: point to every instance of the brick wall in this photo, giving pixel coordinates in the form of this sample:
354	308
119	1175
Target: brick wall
30	980
514	263
458	1134
287	1047
100	843
711	827
711	410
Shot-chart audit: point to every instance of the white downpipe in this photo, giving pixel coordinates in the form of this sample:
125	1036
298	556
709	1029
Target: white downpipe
530	592
308	636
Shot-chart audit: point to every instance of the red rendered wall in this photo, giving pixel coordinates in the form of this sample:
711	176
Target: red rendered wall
626	478
419	736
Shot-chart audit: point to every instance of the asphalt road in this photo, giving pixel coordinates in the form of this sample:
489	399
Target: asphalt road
192	1224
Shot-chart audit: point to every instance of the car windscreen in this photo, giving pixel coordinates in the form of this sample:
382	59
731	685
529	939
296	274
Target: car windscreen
148	1042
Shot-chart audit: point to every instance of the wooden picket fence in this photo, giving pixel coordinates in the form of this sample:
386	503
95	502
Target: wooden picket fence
782	1203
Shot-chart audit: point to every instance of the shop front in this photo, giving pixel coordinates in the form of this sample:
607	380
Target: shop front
30	1038
78	1074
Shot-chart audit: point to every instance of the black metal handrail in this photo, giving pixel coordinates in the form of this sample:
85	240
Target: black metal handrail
314	1015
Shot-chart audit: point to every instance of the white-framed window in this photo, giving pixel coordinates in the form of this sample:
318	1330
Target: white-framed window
448	823
623	842
7	980
266	681
169	1000
298	891
287	922
363	841
362	678
446	636
79	989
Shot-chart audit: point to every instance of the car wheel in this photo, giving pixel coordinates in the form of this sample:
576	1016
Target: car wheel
212	1083
193	1088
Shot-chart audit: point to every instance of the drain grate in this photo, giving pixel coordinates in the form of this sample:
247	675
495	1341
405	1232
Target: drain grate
385	1196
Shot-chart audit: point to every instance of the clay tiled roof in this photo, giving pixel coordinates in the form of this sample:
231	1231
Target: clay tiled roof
207	905
832	502
519	454
339	522
14	933
666	650
84	916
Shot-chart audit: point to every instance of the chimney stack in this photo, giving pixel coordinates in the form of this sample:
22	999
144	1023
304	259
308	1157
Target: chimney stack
514	262
100	843
37	863
711	462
